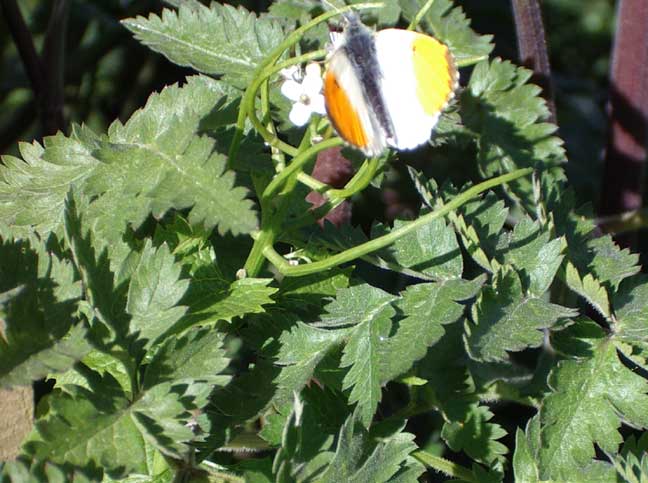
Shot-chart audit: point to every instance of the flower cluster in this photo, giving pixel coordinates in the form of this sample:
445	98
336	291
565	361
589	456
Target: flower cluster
305	90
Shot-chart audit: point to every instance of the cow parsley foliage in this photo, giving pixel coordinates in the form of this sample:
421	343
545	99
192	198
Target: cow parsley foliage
168	277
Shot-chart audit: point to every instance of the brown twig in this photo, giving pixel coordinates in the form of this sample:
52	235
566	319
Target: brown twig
24	43
628	110
532	47
54	68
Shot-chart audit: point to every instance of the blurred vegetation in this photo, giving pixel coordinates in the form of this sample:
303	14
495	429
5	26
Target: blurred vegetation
108	74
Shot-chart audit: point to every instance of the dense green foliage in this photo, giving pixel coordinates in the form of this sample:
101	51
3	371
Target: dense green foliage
121	277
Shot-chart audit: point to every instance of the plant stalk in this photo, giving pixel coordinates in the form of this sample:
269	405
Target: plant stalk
363	249
445	466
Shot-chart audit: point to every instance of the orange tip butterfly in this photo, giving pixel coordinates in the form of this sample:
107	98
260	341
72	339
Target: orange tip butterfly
387	88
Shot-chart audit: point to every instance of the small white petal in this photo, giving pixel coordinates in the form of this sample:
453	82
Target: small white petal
317	104
313	69
312	86
291	72
292	90
299	114
313	83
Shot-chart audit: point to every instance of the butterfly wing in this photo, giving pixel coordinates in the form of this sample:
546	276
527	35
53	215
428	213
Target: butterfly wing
419	78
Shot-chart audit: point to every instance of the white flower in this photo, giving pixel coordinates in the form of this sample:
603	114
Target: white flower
306	93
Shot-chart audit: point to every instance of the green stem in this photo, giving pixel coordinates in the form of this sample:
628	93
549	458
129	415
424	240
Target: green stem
445	466
336	196
377	243
419	16
271	219
261	81
255	259
312	183
290	40
359	181
296	165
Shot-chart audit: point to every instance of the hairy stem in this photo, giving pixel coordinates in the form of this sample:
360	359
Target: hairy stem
370	246
445	466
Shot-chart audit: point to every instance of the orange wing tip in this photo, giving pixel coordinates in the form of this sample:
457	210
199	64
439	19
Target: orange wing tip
344	118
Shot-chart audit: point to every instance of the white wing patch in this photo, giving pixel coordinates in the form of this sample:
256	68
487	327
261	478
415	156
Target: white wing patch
412	125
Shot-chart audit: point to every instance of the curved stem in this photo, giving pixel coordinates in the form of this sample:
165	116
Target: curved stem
377	243
296	165
313	183
358	182
334	196
445	466
290	40
270	222
419	16
262	80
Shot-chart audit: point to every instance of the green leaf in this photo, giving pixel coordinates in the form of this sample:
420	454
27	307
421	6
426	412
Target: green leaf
153	294
301	350
363	353
451	26
19	471
525	465
432	250
100	363
155	162
106	304
33	189
185	170
507	114
591	397
356	305
106	429
632	463
589	288
507	320
308	434
357	458
451	390
211	295
369	310
197	356
217	40
475	435
631	310
211	298
58	357
591	254
426	308
306	295
612	264
479	224
157	470
529	249
41	333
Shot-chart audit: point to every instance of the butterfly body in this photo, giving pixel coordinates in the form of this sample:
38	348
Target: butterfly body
388	88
